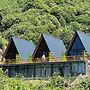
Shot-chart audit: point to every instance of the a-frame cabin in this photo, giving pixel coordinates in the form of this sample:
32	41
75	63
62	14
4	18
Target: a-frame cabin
79	43
48	43
18	46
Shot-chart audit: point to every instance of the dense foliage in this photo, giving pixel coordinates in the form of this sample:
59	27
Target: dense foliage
29	18
51	83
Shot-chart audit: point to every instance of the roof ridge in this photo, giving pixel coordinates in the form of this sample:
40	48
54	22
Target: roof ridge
51	36
21	39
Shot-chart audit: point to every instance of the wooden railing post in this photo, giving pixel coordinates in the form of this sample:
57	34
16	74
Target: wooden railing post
50	56
85	56
18	59
64	57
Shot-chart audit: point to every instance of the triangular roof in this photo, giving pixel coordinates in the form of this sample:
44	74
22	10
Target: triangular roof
23	47
55	45
85	39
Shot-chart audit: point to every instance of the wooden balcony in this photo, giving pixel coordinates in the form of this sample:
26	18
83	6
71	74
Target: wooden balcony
60	59
40	60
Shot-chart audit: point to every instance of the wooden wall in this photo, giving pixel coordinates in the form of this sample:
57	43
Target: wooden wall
11	52
77	47
43	48
47	69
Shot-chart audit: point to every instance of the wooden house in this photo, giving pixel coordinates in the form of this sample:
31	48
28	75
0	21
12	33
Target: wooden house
46	45
33	70
18	46
79	43
49	44
79	48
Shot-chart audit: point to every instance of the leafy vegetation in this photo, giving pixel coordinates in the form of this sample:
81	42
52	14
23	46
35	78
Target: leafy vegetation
51	83
29	18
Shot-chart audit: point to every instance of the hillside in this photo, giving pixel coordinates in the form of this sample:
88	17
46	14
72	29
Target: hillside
50	83
29	18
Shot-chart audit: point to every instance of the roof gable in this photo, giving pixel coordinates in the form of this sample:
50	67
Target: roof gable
55	45
23	47
85	39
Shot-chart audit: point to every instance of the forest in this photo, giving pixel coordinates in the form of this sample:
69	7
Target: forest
27	19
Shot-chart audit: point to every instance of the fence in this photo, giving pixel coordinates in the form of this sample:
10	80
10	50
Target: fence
60	59
47	59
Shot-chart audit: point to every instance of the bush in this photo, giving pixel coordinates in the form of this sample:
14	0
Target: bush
52	83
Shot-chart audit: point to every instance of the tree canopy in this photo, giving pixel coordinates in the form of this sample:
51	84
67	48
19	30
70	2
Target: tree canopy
29	18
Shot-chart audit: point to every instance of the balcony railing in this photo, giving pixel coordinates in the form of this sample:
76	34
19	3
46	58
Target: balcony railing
40	60
13	61
60	59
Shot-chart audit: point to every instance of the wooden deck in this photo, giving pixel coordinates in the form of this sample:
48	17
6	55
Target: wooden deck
69	66
45	69
67	59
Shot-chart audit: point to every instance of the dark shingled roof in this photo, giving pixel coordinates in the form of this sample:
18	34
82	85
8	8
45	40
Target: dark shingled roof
23	47
85	39
55	45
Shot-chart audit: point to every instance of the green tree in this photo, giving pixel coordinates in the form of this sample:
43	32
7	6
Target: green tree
29	18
